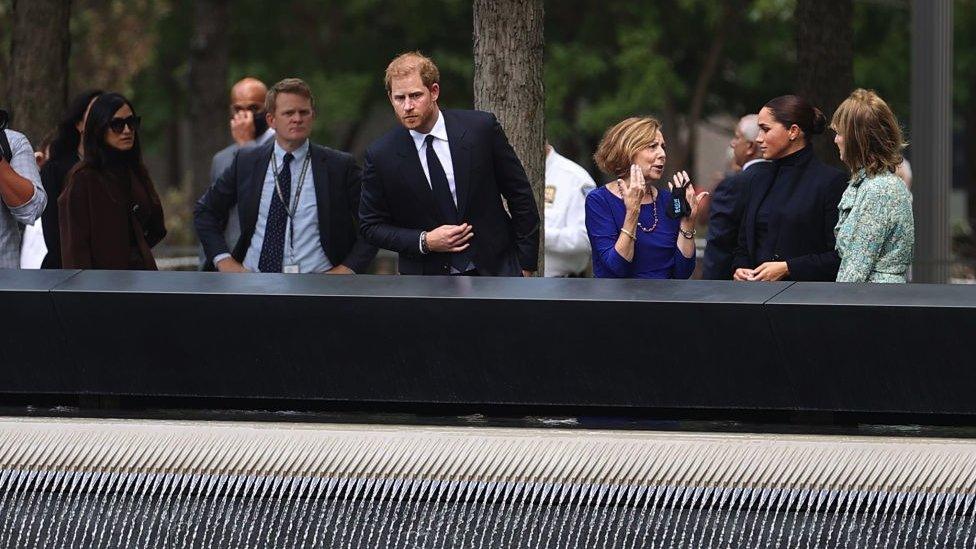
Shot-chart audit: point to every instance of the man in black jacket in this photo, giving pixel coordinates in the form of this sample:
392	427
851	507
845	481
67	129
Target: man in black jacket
725	210
298	201
433	188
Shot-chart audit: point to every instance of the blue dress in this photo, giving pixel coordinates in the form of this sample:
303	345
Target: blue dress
656	254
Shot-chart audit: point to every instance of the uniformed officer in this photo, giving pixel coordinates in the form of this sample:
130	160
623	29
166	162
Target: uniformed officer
567	246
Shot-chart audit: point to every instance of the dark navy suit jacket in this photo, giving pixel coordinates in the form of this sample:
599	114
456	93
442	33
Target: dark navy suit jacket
724	218
398	204
801	225
337	187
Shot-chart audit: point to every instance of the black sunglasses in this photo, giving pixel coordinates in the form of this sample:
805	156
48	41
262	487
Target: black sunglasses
118	125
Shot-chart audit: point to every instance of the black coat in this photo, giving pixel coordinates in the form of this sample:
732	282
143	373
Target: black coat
54	175
337	186
398	203
725	216
802	223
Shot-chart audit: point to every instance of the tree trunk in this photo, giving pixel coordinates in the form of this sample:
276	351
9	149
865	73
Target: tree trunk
208	92
729	20
971	167
37	86
508	68
825	59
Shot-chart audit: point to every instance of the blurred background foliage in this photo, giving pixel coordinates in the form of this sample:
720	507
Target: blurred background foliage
605	59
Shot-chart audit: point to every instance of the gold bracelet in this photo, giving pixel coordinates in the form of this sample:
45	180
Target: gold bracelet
628	233
688	234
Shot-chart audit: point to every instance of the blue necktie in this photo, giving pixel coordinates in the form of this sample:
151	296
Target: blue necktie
273	248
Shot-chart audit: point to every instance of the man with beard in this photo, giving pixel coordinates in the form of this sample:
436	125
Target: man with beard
433	187
249	128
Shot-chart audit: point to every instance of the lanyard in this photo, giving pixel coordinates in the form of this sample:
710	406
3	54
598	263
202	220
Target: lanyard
292	210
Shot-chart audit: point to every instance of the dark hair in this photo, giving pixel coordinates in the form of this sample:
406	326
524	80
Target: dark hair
67	137
98	154
793	109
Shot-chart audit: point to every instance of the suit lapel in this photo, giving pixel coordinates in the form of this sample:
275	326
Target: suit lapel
250	191
461	160
320	176
412	173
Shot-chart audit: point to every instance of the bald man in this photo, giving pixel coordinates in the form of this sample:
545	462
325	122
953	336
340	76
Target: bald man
249	128
725	210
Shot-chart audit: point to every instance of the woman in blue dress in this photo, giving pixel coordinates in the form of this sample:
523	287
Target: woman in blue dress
630	234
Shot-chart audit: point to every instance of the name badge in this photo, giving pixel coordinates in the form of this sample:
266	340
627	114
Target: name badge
290	269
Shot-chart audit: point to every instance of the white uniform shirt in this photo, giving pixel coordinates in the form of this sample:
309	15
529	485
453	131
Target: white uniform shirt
567	245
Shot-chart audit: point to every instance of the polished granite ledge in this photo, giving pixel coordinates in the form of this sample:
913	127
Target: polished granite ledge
546	344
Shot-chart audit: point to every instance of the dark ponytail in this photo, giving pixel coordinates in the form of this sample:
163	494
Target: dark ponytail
793	109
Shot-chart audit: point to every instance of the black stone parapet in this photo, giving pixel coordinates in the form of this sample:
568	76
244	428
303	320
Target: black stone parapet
550	344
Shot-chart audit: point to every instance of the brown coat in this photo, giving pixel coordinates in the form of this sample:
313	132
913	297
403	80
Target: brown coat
110	219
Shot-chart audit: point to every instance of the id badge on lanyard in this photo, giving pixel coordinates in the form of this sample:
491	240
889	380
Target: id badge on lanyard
291	267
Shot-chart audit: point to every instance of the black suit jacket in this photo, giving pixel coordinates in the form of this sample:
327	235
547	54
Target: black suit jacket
337	185
724	217
802	226
398	203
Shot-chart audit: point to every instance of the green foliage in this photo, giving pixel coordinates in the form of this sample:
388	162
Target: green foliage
964	55
882	45
605	59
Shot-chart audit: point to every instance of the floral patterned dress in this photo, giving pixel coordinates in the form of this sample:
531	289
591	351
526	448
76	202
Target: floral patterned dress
875	229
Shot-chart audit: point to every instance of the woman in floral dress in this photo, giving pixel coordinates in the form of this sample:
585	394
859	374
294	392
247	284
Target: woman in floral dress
875	229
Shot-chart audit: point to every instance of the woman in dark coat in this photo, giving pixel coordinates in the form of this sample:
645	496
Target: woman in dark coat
65	152
787	230
110	213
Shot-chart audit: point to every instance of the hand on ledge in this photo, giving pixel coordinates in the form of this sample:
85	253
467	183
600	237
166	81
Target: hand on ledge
340	270
230	265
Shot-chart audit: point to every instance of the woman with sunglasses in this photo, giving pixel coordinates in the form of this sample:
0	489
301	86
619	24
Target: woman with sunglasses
110	213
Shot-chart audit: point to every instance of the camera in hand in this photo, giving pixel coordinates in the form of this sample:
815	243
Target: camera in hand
679	206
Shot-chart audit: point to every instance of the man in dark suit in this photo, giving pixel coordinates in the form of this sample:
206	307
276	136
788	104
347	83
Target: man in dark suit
433	188
298	202
725	211
249	128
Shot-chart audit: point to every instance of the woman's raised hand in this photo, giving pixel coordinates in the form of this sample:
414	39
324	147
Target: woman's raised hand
632	190
695	200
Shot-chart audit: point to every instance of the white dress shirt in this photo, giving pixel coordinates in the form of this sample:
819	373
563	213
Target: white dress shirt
443	151
441	148
307	251
567	245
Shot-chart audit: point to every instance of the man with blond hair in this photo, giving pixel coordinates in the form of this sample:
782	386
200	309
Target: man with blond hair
298	202
433	188
725	211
